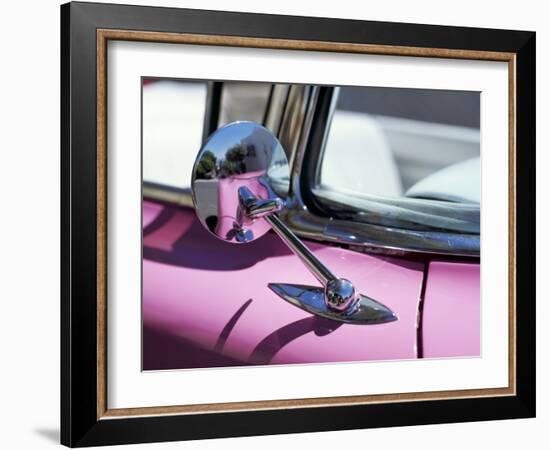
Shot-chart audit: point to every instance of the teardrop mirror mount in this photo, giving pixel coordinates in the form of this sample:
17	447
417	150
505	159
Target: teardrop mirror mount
233	198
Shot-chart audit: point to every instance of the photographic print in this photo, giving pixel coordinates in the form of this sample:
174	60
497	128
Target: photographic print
298	224
275	224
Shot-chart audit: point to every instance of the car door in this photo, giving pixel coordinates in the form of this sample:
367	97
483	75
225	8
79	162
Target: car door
206	302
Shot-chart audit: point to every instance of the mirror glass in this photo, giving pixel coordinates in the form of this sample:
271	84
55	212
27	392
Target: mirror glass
238	154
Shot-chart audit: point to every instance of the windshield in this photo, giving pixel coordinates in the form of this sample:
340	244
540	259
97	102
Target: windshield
405	158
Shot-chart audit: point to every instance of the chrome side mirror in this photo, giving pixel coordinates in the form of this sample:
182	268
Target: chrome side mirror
232	186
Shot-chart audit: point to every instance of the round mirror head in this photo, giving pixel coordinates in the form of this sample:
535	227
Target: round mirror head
241	154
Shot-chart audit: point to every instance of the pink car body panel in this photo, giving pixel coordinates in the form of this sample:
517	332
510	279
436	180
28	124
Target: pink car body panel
214	295
451	312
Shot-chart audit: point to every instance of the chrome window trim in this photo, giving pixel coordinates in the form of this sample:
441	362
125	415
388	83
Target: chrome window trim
275	107
167	194
368	237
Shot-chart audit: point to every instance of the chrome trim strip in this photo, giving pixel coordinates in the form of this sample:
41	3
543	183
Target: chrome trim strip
275	107
333	102
293	119
296	170
379	239
167	194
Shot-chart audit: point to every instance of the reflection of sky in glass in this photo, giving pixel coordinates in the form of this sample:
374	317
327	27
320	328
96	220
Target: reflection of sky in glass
248	148
247	134
228	136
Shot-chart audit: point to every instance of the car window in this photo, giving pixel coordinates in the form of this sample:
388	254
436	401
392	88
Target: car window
174	114
407	158
173	118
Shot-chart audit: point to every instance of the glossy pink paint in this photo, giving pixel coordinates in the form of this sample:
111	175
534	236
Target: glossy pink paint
451	319
228	203
214	295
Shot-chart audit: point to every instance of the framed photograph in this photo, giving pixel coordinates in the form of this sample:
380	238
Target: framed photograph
277	224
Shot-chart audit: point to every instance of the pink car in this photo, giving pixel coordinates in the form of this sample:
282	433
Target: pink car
328	233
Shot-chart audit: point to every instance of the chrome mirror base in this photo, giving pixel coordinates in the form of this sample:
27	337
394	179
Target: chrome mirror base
312	299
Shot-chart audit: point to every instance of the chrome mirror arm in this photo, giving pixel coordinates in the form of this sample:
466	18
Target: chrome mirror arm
337	299
253	207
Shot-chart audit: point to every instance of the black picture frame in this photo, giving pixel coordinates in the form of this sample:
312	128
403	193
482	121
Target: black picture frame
80	425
